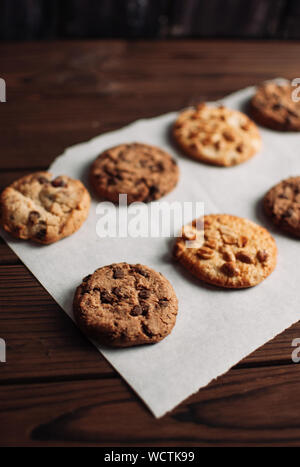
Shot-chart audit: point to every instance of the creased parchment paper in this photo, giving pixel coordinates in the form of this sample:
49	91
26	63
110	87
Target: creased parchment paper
215	328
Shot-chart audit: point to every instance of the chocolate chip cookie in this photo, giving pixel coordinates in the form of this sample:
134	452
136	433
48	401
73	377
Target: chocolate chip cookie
217	135
273	107
282	205
145	173
124	305
45	210
236	253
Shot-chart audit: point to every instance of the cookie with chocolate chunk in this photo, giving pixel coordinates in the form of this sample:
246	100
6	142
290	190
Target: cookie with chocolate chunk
273	107
217	135
44	209
232	252
142	172
282	205
125	305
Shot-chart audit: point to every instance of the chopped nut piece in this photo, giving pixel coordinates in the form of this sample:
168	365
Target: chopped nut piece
205	253
227	254
262	256
243	241
229	269
244	257
211	243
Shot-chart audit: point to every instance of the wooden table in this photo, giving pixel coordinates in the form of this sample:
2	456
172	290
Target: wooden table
55	387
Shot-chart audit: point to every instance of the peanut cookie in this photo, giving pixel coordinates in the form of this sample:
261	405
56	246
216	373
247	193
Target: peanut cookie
273	107
282	205
124	305
217	135
236	253
145	173
42	209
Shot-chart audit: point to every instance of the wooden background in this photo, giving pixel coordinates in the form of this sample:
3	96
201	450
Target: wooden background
55	388
46	19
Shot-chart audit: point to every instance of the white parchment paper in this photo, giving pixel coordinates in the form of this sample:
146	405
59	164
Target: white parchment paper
215	328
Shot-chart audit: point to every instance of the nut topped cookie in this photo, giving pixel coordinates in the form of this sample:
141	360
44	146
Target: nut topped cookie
145	173
282	205
236	253
273	107
125	305
217	135
45	210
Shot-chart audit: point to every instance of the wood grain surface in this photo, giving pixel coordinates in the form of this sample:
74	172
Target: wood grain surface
44	19
55	388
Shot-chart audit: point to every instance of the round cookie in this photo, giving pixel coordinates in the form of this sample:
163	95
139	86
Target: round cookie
217	135
124	305
282	205
145	173
273	107
236	253
45	210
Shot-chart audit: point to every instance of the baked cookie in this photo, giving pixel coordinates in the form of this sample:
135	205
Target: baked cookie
145	173
236	253
124	305
282	205
42	209
273	107
217	135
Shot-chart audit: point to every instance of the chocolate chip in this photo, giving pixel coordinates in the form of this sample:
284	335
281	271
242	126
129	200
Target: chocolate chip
136	310
159	167
106	297
58	182
33	217
118	292
276	107
118	273
144	294
289	213
145	308
86	278
43	180
153	191
41	234
111	181
141	272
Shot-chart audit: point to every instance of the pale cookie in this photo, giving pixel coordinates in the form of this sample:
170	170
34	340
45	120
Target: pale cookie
282	205
236	252
124	305
42	209
273	107
217	135
144	173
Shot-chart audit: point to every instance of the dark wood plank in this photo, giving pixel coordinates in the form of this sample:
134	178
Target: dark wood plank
236	410
41	19
229	18
42	342
107	84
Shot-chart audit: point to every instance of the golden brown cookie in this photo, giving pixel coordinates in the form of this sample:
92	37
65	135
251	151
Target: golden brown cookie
145	173
282	205
45	210
236	252
124	305
217	135
273	107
